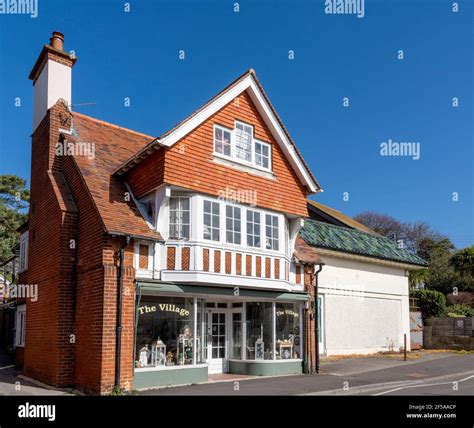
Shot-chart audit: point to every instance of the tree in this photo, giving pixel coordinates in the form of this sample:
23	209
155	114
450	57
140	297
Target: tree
446	272
14	197
463	261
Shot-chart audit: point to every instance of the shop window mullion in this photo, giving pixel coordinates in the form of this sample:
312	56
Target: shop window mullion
194	330
244	331
274	329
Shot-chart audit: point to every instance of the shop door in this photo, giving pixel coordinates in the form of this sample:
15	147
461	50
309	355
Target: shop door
217	342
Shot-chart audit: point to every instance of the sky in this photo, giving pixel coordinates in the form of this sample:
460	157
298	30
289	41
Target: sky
310	64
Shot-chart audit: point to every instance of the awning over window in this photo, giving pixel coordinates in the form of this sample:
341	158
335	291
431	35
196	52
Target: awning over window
156	288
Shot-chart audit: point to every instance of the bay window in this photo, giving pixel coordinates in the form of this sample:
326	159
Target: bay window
179	218
288	322
259	317
169	332
211	221
253	228
232	224
271	232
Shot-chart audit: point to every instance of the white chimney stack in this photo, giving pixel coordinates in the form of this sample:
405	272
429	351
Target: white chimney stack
51	77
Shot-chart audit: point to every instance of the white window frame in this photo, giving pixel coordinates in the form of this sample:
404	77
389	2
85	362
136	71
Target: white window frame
252	145
233	147
262	143
272	229
24	251
223	129
20	326
253	223
211	214
180	224
233	231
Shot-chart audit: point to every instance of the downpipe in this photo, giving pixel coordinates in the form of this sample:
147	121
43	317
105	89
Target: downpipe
118	343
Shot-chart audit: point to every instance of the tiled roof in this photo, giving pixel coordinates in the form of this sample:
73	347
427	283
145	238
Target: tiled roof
305	253
155	144
340	217
113	145
342	239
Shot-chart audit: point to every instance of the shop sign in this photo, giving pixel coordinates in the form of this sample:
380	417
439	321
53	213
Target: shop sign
163	307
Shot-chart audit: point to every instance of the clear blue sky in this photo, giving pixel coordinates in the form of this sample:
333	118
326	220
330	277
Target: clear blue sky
135	55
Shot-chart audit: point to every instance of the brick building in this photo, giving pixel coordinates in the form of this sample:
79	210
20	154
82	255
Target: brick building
162	260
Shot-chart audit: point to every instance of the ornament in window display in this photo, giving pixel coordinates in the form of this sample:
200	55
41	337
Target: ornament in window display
170	359
144	355
158	352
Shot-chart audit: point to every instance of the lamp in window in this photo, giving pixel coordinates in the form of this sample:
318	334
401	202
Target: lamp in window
158	352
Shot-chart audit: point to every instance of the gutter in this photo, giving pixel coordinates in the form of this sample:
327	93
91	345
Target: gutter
118	343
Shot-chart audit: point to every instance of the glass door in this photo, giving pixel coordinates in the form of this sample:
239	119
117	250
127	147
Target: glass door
217	330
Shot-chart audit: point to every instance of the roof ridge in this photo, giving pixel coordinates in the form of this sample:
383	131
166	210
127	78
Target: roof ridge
111	125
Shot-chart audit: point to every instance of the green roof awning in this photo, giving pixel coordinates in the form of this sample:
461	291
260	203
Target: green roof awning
157	287
324	235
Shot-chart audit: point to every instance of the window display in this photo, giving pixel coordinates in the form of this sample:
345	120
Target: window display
165	332
287	331
259	331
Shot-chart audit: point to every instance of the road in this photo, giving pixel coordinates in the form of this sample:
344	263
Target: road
434	374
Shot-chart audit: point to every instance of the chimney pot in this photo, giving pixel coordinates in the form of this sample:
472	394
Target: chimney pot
57	40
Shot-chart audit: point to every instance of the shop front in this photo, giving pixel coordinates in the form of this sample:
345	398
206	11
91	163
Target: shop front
185	333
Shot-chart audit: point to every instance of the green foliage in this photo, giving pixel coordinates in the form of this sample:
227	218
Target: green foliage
431	302
117	391
14	197
460	310
463	261
418	277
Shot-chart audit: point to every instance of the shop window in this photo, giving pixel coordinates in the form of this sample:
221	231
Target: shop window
169	332
259	344
288	334
236	348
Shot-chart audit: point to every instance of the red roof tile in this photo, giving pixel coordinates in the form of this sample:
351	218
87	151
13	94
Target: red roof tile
112	146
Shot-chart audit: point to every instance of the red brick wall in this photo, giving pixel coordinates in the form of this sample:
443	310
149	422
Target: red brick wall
189	163
71	329
49	323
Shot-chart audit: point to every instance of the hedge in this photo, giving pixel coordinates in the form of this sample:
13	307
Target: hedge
432	303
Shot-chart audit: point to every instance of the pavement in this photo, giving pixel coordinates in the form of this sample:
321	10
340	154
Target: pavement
13	383
431	374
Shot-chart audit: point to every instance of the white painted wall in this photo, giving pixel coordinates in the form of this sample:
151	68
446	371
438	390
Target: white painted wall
365	307
53	83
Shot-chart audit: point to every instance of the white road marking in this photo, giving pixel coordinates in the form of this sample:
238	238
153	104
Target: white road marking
423	385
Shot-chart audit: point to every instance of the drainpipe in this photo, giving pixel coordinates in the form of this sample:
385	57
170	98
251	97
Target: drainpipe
118	345
316	313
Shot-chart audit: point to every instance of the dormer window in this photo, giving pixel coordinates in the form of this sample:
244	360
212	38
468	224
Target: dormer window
240	146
